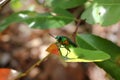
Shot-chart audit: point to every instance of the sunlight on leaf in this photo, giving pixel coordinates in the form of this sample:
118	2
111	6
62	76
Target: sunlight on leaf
84	55
98	13
102	12
93	42
39	20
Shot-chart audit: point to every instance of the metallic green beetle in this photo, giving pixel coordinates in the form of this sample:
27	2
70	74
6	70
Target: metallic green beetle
66	42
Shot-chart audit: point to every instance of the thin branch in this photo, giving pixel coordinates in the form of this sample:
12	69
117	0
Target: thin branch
3	3
76	29
77	14
31	68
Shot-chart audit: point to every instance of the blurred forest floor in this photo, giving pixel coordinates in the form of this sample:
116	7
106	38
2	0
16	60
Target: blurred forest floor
21	47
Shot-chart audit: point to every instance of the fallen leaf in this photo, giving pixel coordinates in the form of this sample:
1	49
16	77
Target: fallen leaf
53	49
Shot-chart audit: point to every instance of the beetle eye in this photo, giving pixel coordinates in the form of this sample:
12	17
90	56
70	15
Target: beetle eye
59	38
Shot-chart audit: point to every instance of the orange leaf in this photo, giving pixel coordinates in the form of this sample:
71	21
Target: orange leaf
4	73
53	48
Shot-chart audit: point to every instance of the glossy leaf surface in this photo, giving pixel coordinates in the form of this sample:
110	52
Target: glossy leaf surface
54	19
103	12
92	42
65	4
78	54
83	55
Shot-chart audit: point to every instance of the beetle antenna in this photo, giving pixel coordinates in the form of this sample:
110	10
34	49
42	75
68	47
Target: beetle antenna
51	35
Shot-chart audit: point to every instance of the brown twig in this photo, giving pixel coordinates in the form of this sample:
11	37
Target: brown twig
3	3
51	35
77	13
31	68
76	29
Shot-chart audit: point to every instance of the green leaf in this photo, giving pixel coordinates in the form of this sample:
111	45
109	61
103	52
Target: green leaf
92	42
55	19
16	4
102	12
65	4
83	55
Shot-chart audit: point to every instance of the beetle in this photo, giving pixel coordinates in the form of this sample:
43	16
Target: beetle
65	42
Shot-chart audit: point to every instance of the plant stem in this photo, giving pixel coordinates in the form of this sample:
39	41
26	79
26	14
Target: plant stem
3	3
76	29
31	68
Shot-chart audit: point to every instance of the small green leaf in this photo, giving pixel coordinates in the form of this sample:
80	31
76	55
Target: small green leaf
112	66
16	4
83	55
54	19
102	12
65	4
